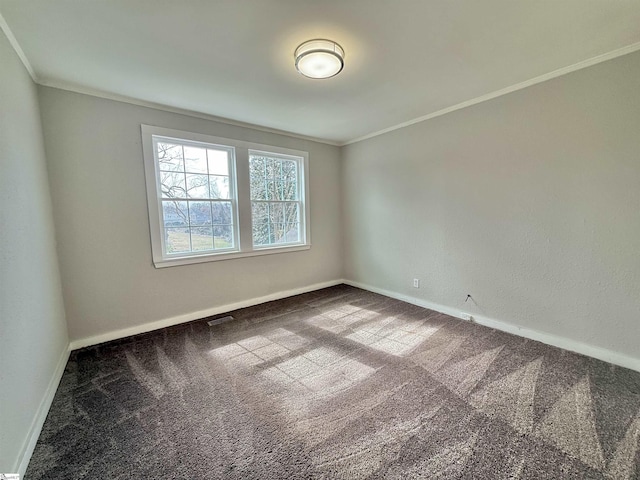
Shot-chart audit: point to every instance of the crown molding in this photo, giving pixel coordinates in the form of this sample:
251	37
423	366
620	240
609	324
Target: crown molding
70	87
468	103
4	26
504	91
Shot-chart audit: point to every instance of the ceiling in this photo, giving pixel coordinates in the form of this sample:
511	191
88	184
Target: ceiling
234	58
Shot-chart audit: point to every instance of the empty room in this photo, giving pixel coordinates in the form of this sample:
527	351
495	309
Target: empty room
281	239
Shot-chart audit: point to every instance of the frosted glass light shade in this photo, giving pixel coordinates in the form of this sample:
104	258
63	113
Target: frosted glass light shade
319	58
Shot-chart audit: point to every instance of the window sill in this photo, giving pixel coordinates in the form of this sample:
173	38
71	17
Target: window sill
216	257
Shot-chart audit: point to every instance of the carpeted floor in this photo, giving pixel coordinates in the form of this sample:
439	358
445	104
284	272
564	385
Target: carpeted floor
339	383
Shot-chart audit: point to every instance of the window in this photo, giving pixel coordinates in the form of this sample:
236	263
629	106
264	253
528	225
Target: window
197	207
275	199
213	198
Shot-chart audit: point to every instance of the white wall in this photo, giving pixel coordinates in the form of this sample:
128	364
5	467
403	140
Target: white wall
33	335
98	188
529	202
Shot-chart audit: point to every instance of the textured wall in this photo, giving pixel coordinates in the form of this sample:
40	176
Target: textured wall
529	202
98	188
33	335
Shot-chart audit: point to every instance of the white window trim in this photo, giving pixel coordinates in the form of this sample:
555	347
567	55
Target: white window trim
243	226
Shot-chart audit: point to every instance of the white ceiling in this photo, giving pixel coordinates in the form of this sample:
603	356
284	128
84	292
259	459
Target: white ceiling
234	58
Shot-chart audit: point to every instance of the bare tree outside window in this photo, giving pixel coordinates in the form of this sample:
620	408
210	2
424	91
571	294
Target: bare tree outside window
196	206
275	200
213	198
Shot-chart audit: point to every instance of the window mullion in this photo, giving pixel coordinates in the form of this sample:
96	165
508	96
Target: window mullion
239	179
244	199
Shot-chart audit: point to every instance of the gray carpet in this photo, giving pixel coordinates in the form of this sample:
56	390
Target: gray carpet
339	383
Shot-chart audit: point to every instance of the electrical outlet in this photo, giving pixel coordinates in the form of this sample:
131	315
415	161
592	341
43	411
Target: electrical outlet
416	283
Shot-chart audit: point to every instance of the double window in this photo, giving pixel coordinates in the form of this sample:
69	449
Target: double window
213	198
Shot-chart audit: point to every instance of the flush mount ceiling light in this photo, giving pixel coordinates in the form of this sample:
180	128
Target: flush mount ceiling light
319	58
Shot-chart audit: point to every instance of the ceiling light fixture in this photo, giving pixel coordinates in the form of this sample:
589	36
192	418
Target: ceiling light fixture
319	58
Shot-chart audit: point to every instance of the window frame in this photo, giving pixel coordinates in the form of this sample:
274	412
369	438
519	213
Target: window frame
239	188
299	200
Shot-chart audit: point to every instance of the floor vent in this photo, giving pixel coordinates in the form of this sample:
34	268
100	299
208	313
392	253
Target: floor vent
218	321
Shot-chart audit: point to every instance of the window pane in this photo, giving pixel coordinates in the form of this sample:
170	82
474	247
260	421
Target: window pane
200	213
273	178
222	213
197	186
276	212
195	159
260	221
292	233
278	232
223	235
291	213
285	233
170	157
275	222
271	167
218	186
201	238
261	233
218	162
279	181
274	183
273	189
177	240
289	180
175	214
172	185
259	210
257	178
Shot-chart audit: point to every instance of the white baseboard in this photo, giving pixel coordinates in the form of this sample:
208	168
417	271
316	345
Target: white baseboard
41	416
547	338
188	317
